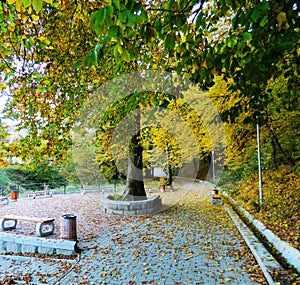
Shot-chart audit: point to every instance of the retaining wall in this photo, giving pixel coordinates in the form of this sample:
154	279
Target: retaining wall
24	244
152	205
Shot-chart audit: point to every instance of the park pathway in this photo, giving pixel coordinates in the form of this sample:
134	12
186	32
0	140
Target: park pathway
190	243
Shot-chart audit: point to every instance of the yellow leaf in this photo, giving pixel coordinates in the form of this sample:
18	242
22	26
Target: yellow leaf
11	1
11	27
19	8
35	17
281	18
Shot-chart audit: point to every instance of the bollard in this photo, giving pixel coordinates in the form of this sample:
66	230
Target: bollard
68	227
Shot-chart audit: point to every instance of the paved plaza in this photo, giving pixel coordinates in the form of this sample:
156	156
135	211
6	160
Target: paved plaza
192	242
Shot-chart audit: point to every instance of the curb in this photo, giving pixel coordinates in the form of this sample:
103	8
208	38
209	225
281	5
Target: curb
291	254
265	260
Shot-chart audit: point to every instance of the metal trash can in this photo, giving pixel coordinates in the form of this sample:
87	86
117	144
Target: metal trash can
14	195
68	227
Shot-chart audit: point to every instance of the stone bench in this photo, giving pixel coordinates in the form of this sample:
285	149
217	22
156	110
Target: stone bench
44	227
4	200
36	194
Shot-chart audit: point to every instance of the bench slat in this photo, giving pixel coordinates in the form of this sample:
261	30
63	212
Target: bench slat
28	219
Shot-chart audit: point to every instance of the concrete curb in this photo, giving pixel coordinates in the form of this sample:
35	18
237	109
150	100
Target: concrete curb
24	244
291	254
265	260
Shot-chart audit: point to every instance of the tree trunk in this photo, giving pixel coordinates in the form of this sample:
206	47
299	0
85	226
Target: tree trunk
170	177
287	158
274	154
135	182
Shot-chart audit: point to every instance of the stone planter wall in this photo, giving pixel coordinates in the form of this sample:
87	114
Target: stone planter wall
25	244
126	208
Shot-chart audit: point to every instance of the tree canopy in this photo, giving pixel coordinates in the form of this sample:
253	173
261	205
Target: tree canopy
54	55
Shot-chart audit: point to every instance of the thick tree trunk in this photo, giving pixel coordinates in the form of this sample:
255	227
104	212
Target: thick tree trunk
135	182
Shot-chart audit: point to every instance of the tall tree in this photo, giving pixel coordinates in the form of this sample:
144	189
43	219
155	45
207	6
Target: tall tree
55	54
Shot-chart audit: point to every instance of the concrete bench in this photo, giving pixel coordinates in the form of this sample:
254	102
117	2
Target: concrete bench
44	227
36	194
4	200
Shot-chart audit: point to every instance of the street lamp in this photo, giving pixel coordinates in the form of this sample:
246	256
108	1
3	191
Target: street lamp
259	167
213	165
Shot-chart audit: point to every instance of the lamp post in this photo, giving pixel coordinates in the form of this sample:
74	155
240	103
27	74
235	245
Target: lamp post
259	167
213	165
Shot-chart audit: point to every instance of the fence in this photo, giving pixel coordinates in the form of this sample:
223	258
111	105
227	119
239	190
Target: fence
63	188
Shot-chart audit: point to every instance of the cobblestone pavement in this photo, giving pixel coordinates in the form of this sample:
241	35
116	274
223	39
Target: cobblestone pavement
193	243
190	243
34	270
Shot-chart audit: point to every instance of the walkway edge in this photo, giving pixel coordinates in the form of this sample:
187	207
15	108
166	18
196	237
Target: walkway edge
265	260
291	254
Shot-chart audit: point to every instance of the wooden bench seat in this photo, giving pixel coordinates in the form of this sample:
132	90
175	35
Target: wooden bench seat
36	194
4	200
44	226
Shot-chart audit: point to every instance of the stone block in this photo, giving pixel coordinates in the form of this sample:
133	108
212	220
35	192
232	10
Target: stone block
12	246
113	206
117	212
123	207
2	246
64	251
271	237
28	248
66	245
137	206
46	250
259	225
130	213
141	212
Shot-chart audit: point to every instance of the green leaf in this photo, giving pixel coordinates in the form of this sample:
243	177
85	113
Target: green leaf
101	16
247	36
31	41
130	19
110	10
170	41
125	55
123	16
113	31
37	5
26	3
255	15
116	3
116	52
263	21
94	22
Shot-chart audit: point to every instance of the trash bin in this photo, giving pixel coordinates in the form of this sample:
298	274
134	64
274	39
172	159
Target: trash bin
68	227
14	195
